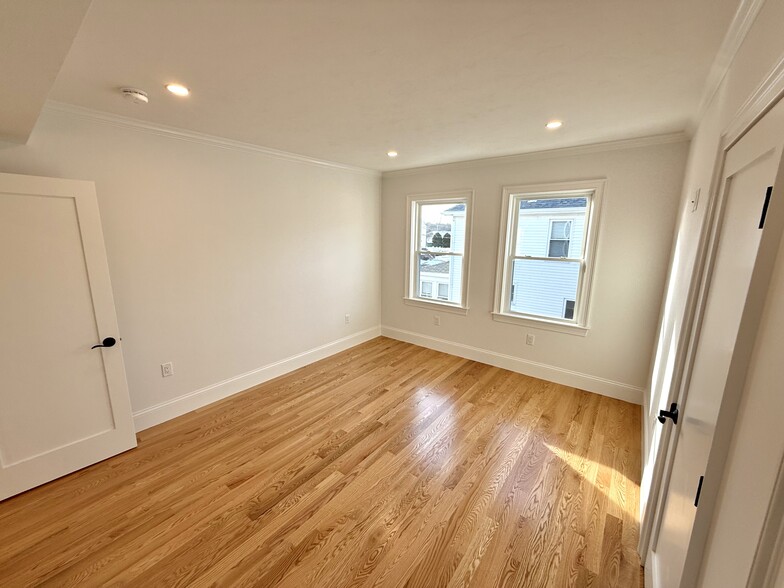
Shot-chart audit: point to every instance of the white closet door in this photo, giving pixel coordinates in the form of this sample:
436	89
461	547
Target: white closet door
63	404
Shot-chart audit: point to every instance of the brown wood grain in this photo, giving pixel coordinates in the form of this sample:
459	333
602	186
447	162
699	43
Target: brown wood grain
385	465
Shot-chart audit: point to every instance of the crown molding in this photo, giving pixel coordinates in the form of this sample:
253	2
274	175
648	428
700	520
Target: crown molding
739	27
679	137
117	120
762	99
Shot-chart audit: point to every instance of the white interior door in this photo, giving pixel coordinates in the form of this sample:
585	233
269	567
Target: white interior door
63	405
750	169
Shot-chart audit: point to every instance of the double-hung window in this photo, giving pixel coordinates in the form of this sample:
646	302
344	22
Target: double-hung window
439	235
546	255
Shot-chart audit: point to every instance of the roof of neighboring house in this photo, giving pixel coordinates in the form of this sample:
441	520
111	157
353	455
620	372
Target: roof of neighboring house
456	208
554	203
434	266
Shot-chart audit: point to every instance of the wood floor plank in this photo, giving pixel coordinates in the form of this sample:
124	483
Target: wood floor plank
385	465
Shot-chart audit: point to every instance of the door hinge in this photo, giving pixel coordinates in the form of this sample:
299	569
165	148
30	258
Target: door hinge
765	206
699	489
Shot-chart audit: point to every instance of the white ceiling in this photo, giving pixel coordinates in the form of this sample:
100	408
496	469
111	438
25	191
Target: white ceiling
35	36
437	80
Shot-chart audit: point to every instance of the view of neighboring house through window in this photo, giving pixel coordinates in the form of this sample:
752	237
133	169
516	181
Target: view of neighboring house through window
568	309
438	236
547	261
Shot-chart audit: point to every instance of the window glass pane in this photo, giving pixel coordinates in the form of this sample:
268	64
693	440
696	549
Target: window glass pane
540	287
560	229
569	309
551	222
558	249
444	270
426	289
442	227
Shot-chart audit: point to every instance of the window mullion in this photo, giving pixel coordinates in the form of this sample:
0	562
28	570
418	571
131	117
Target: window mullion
425	251
537	258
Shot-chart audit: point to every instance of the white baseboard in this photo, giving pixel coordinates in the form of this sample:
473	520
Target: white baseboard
154	415
543	371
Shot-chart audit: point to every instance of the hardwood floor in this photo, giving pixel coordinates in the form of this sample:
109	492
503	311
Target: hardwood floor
385	465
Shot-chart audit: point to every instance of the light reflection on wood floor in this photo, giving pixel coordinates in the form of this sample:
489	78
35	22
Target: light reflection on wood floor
385	465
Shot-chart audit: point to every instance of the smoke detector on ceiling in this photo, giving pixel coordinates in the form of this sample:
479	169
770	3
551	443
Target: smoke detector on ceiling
135	96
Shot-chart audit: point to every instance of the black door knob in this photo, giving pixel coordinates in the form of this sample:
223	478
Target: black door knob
108	342
669	414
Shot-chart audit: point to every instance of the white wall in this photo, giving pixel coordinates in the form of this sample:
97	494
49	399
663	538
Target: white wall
222	260
761	50
638	218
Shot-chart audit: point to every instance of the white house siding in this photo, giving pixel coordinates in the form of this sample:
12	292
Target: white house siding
542	287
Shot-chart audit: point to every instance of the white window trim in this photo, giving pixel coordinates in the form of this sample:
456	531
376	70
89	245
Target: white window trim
412	209
580	325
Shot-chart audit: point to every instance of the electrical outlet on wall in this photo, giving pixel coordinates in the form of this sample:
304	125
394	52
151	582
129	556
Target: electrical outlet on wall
530	339
436	320
347	318
167	369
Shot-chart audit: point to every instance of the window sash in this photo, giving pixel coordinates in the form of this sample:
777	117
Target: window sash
512	236
537	258
417	246
422	247
418	276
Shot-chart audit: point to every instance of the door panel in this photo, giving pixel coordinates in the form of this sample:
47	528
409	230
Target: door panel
729	287
64	405
750	168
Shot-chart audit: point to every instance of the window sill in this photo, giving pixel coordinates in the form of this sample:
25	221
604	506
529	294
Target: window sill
436	305
558	327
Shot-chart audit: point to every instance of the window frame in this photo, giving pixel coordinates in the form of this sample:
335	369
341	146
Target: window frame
512	195
414	203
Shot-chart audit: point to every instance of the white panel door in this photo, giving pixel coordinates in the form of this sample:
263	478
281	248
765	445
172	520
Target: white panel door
749	172
63	405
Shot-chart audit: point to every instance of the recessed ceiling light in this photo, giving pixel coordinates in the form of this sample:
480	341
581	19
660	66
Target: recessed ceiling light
554	124
178	89
392	153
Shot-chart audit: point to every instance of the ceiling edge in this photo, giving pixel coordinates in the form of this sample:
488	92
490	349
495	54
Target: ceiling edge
546	154
117	120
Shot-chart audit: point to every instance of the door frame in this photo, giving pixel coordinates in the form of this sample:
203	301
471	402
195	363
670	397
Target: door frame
759	103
